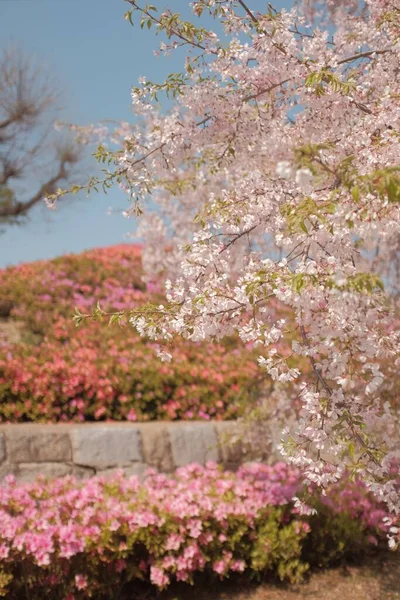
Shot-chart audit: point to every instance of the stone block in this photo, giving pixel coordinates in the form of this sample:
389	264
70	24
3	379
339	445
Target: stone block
137	469
105	446
193	443
231	447
156	444
25	472
7	469
35	444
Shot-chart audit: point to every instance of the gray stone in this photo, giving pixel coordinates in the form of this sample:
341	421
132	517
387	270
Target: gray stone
156	443
30	471
133	469
82	472
105	446
193	443
25	472
35	444
2	449
108	472
138	469
7	469
231	448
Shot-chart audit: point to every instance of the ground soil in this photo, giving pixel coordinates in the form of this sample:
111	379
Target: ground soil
377	578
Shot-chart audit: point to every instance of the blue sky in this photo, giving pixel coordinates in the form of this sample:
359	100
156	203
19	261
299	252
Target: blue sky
95	57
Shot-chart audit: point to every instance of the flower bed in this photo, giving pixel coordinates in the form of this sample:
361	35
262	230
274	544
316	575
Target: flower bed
72	540
99	374
61	373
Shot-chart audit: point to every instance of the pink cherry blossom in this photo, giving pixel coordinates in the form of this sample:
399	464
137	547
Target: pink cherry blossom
274	179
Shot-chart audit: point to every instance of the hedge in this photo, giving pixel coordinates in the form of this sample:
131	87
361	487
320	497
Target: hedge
71	540
60	373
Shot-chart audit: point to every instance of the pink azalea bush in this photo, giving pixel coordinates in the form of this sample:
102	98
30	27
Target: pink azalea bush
73	540
96	376
41	292
61	373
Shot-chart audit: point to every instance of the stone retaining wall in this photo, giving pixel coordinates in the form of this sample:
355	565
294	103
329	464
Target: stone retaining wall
27	450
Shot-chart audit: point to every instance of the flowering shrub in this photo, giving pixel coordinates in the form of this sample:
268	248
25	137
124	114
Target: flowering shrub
60	373
42	292
75	540
335	526
96	376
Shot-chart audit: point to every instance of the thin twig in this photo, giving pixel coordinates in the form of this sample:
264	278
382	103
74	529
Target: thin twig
265	91
314	364
173	31
367	54
237	237
248	11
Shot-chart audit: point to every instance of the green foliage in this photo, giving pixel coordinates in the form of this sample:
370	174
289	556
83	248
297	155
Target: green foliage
381	183
306	214
301	280
335	536
172	86
5	581
279	549
168	22
321	81
365	283
385	183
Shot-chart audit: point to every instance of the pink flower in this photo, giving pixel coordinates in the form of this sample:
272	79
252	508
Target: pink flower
131	416
81	582
238	565
158	577
120	565
173	542
219	567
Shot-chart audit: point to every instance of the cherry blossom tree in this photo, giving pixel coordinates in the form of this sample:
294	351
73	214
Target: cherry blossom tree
275	182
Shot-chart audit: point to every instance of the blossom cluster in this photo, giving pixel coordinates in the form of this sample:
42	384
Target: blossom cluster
61	373
275	177
73	540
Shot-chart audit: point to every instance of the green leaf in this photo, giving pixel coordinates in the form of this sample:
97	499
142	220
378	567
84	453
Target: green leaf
355	192
351	449
128	16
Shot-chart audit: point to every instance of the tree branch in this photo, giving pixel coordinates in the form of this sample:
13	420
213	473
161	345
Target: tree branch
237	237
265	91
248	11
173	31
18	209
6	123
367	54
